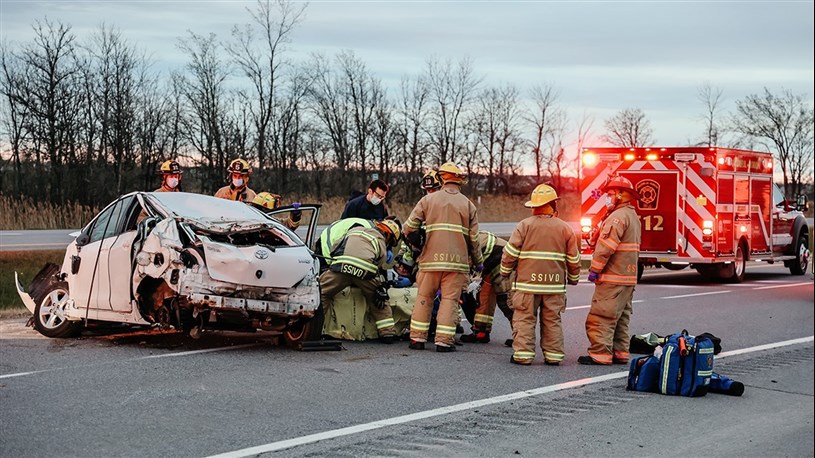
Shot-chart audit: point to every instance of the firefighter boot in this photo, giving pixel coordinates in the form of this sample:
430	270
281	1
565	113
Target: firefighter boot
416	345
476	337
445	348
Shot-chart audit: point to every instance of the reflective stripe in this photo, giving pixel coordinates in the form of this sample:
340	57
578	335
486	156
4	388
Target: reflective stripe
490	244
419	325
602	359
374	241
523	355
413	223
575	277
621	355
609	243
483	318
445	330
621	279
544	255
387	322
551	356
704	373
453	266
457	228
705	350
356	262
505	270
539	288
597	265
628	247
573	259
666	362
511	250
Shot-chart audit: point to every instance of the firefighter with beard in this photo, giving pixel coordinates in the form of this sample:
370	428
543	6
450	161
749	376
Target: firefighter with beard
544	253
170	173
238	189
493	291
614	272
358	260
451	248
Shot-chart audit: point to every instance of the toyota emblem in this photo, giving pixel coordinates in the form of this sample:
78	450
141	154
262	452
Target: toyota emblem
261	254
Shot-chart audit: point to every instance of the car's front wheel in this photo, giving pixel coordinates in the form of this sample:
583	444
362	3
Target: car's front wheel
305	329
50	315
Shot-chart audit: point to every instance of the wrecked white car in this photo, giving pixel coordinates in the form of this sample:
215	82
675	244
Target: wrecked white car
187	261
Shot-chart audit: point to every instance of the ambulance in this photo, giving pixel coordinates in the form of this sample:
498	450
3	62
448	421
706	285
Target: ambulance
711	209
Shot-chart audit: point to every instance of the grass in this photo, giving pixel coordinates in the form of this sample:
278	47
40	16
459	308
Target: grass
27	264
24	213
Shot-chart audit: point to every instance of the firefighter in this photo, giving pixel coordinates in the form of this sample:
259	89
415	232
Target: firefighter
493	290
543	252
332	235
451	248
170	173
237	189
370	205
614	272
357	261
430	182
269	201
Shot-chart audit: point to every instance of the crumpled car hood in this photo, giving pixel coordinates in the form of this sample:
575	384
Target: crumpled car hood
257	265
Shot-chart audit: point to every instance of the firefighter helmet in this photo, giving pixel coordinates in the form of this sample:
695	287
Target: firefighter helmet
430	180
449	172
391	227
267	200
622	183
542	195
239	166
169	168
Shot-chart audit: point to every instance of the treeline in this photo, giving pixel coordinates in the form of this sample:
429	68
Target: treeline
85	119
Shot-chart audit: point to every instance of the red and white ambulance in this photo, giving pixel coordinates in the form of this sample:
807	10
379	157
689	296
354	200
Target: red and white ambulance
709	208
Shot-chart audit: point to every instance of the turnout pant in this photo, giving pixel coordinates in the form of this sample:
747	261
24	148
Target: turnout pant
451	285
607	322
525	319
331	283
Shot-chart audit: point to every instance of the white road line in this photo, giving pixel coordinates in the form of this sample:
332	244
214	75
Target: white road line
141	358
695	294
332	434
788	285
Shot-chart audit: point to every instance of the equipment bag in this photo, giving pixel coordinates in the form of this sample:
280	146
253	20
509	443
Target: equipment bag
686	365
643	375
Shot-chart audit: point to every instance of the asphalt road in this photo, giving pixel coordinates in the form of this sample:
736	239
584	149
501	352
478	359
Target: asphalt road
146	394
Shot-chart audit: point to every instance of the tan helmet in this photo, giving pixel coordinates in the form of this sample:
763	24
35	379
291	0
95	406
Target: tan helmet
267	200
449	172
239	166
391	227
620	182
170	167
542	195
430	180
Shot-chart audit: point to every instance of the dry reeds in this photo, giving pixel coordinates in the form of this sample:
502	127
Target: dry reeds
24	213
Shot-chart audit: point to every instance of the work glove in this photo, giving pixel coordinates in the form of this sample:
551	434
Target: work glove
402	282
389	256
381	297
296	214
593	276
478	268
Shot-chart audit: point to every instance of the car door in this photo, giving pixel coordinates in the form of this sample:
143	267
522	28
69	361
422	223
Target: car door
308	220
102	279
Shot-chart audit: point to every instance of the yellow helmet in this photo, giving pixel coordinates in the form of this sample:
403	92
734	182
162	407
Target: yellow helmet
239	166
542	195
267	200
170	167
430	180
391	227
449	172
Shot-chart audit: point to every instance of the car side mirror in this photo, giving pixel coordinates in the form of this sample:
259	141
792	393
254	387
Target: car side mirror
82	239
801	203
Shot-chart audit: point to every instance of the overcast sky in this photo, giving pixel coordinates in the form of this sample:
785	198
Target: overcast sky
602	57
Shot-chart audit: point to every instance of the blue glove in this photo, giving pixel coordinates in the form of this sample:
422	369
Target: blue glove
402	282
296	214
296	205
478	268
593	276
389	256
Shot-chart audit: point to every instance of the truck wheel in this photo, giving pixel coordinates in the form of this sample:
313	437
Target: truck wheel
734	273
305	329
798	266
49	314
672	266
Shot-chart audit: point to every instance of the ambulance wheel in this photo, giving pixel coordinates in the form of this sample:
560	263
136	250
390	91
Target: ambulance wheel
672	266
49	314
798	266
734	272
306	329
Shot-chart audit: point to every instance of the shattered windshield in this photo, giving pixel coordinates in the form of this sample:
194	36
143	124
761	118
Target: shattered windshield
209	209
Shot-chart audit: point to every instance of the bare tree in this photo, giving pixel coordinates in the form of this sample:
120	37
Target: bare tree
712	98
540	117
411	122
584	126
496	132
783	124
629	128
451	90
15	117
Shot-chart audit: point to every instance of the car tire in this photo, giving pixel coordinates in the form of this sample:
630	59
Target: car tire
49	313
798	266
734	273
306	329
